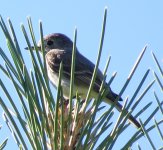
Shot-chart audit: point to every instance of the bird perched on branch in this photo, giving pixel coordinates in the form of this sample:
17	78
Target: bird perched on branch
58	48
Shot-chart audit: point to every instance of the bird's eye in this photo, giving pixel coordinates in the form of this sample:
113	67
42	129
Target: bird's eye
49	42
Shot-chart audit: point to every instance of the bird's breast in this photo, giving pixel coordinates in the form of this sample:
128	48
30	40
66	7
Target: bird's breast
65	83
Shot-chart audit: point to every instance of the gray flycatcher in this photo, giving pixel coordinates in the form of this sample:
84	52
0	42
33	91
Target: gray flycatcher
58	47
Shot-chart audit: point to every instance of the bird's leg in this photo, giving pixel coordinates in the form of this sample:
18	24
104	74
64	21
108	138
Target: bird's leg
82	102
63	101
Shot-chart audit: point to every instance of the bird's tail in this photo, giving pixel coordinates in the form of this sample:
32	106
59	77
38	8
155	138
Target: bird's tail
131	118
111	97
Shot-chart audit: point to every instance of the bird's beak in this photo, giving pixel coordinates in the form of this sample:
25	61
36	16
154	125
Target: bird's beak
32	48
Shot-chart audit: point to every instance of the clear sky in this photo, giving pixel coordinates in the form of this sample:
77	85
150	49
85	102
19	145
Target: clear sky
130	26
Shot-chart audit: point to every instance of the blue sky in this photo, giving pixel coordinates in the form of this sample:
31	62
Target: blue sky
130	26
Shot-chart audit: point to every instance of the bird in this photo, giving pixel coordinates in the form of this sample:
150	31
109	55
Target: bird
58	48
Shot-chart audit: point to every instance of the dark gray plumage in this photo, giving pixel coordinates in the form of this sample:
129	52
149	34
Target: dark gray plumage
58	47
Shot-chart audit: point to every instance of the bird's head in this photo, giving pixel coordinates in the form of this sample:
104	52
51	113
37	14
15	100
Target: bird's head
56	41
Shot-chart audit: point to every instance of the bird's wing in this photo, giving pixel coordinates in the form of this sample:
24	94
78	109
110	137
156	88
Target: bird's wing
83	67
84	70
